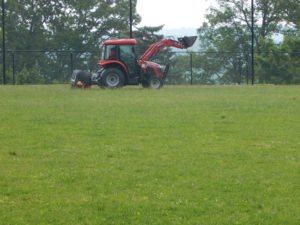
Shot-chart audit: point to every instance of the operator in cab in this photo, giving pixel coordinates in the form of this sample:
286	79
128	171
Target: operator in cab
113	54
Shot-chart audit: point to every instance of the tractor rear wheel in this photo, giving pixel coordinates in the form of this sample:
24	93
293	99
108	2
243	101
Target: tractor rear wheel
155	82
112	78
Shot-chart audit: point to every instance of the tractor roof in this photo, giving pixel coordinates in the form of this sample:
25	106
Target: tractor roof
120	42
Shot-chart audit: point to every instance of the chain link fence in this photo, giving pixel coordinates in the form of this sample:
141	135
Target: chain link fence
46	67
186	68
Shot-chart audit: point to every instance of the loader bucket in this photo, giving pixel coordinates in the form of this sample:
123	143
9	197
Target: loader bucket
188	41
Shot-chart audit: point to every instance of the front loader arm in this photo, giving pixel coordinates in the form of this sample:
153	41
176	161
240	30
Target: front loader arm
160	45
182	43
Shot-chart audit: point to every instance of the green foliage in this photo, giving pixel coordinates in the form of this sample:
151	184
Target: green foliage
268	15
292	12
9	77
227	33
279	64
179	72
31	76
228	48
66	24
180	155
63	25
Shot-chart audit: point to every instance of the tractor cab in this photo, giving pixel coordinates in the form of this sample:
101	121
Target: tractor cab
120	53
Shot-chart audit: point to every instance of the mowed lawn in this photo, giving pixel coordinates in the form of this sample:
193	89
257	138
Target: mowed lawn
179	155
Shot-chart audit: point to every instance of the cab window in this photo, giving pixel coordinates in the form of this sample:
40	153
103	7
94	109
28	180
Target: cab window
128	57
110	52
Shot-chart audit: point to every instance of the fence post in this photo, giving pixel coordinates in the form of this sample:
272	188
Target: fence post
14	68
247	68
71	62
3	43
191	67
252	43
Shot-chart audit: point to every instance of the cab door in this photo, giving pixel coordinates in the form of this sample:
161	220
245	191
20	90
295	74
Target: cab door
128	57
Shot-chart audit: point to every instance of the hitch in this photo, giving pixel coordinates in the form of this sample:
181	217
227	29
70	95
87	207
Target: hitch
187	41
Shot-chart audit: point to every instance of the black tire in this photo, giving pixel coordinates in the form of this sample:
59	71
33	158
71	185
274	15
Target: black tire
155	82
112	78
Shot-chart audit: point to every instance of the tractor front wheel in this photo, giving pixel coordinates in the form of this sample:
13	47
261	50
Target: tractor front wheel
112	78
155	82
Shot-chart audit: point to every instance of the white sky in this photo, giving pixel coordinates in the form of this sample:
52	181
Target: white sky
173	13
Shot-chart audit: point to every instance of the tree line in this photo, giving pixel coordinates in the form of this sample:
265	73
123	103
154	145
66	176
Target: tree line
228	29
225	40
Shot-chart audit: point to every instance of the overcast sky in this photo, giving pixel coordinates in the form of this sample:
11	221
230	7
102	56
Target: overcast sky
173	13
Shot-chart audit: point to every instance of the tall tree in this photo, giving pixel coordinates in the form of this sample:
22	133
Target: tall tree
292	12
228	29
228	47
268	15
63	25
279	64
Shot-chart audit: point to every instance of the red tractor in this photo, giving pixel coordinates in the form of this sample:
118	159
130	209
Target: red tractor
120	66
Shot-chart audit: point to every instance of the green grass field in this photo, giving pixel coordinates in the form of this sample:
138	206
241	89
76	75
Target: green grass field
179	155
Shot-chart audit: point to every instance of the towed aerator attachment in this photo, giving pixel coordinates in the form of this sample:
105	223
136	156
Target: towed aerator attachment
187	41
80	79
